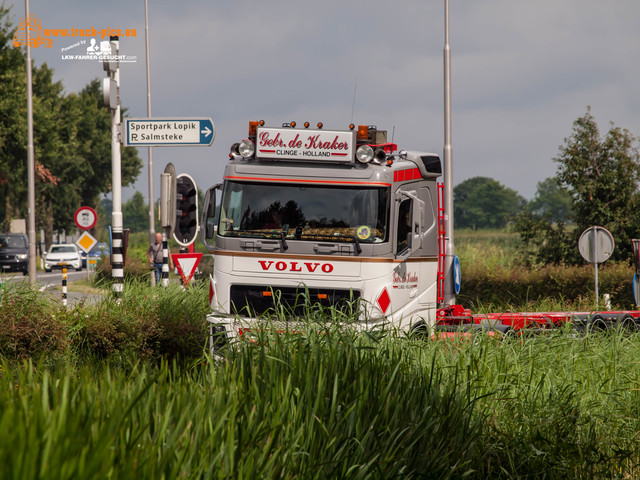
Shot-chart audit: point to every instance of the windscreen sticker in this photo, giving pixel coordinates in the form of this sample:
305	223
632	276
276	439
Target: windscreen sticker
363	232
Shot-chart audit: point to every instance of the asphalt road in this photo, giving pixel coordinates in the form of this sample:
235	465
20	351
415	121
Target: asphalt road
50	284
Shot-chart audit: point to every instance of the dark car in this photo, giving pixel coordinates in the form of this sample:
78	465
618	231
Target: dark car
98	251
14	252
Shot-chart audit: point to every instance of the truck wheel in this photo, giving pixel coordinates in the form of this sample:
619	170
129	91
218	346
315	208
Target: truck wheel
627	324
597	323
420	330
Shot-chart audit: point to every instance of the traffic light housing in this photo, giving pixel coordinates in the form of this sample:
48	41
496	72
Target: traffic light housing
186	227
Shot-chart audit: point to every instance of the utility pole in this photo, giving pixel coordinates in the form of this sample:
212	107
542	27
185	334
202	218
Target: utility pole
152	226
31	229
449	294
111	90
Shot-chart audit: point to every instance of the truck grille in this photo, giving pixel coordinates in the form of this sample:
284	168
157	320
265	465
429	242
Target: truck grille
256	300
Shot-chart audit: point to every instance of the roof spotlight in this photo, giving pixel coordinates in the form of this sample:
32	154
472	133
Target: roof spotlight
247	148
364	154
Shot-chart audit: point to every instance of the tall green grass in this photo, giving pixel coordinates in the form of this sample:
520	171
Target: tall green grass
329	404
497	276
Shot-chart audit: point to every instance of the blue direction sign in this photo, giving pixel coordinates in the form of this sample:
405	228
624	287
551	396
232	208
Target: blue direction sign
168	132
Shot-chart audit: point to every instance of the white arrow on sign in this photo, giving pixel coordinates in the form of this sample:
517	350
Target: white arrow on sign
206	131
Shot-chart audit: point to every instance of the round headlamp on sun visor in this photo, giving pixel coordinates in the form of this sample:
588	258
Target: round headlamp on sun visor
247	148
364	154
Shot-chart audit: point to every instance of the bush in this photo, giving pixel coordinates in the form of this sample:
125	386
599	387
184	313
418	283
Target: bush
135	270
30	325
517	288
145	323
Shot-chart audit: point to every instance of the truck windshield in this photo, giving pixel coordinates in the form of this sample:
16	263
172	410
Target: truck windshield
313	213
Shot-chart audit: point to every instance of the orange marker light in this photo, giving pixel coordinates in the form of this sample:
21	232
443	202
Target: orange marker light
322	296
363	132
320	125
267	294
306	124
253	128
293	124
351	126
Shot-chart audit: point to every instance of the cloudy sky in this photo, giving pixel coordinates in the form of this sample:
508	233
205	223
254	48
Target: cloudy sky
522	72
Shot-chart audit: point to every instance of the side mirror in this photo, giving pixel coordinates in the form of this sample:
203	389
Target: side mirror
209	215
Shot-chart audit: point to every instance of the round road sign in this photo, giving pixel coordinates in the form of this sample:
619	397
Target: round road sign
85	218
596	244
457	275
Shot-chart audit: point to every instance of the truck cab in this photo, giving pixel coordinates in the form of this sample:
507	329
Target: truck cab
340	218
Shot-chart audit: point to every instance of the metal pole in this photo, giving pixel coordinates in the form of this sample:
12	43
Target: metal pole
64	287
165	257
595	261
30	161
152	221
117	257
449	294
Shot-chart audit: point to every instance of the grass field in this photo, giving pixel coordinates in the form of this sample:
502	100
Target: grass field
126	390
331	405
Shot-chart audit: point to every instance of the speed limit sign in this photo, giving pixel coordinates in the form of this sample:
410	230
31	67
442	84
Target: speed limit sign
85	218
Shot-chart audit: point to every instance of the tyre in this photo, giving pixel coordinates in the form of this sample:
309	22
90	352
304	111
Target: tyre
627	324
48	270
597	323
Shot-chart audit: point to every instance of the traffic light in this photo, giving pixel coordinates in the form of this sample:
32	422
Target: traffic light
186	227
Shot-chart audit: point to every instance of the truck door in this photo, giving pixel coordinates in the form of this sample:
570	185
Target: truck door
408	222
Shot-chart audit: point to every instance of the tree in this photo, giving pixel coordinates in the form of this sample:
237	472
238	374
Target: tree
601	176
72	142
482	202
551	200
13	122
136	213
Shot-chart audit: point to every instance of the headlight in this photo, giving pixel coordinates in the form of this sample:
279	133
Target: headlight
364	154
22	256
247	148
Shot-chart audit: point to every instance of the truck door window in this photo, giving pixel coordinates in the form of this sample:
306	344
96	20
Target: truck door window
404	226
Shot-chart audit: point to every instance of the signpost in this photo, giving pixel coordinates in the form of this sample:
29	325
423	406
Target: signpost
596	245
457	274
86	242
186	264
85	218
168	132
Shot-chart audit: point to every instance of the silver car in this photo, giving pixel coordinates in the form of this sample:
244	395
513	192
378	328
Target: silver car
64	255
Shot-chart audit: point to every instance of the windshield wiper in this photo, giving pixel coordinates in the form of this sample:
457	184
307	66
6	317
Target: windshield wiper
283	236
357	242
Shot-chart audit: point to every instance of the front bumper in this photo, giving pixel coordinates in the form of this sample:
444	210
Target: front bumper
60	265
14	265
231	327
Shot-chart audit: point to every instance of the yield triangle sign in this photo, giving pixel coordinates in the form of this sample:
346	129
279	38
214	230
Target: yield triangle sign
187	264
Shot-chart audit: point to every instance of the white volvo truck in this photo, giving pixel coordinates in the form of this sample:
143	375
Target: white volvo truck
335	217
